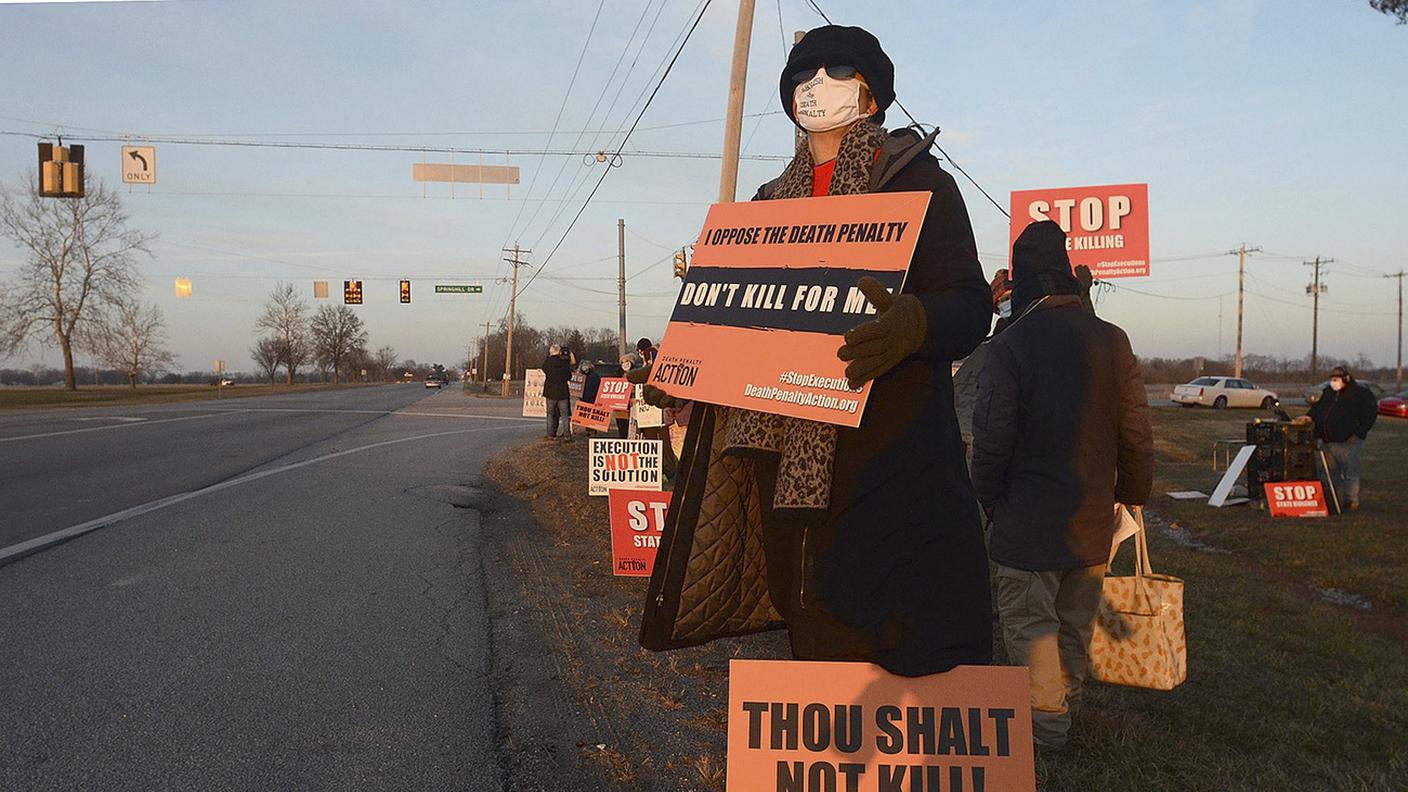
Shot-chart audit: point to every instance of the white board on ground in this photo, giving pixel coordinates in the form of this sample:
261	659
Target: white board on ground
1224	487
534	405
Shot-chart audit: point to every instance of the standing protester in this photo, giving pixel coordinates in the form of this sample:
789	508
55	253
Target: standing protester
1343	417
557	369
1060	435
866	542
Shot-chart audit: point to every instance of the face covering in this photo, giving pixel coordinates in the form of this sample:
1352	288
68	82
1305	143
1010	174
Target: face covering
1337	384
825	103
1004	309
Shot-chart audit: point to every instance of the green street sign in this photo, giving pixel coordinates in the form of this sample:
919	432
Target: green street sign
441	288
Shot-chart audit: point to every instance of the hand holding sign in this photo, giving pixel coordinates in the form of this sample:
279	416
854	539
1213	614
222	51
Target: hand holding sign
655	397
878	346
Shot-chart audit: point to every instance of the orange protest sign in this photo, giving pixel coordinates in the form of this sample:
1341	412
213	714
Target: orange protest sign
771	293
1107	227
1296	499
614	393
637	523
798	726
590	416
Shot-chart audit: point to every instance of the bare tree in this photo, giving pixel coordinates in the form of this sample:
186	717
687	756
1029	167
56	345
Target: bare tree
80	259
336	331
267	355
285	317
385	359
1394	8
133	340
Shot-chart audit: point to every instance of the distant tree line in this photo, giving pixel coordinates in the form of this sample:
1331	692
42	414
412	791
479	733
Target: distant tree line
530	347
1261	369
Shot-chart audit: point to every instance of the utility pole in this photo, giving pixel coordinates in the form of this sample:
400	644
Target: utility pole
1399	276
1315	289
516	261
621	280
1241	290
484	367
733	126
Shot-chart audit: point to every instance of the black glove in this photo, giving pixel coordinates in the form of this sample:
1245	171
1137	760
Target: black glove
653	395
879	345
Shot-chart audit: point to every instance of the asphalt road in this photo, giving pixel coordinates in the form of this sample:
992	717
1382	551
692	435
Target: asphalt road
295	602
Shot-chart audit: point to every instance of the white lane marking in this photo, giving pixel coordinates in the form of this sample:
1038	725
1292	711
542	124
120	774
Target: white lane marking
125	418
54	537
118	426
395	412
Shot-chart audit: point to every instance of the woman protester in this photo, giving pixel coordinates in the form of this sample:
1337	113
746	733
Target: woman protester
1343	417
865	543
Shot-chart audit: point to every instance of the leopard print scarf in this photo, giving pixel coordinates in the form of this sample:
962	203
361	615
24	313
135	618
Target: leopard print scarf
806	449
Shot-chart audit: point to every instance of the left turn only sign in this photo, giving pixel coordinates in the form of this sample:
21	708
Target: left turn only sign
139	165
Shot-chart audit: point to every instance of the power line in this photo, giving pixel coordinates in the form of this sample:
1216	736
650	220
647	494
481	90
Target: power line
607	171
920	126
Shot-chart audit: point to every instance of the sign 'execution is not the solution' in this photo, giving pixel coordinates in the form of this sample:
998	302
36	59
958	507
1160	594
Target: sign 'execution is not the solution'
771	294
624	465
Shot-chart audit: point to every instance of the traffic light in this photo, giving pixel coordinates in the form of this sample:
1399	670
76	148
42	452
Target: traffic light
681	266
352	292
405	291
60	171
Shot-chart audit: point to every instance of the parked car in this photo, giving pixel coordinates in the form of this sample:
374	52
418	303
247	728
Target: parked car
1223	392
1395	405
1313	395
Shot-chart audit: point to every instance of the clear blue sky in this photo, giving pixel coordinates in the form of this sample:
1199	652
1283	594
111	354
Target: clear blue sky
1280	124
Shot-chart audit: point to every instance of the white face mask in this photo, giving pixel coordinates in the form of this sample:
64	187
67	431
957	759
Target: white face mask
824	103
1337	384
1004	309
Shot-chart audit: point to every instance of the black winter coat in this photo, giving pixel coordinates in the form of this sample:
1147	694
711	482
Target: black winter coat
1348	413
557	370
1060	434
894	572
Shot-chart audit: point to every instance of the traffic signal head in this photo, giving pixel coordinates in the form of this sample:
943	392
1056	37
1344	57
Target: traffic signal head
60	171
405	291
681	267
352	292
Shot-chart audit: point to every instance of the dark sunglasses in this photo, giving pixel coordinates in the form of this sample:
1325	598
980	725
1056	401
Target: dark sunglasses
834	72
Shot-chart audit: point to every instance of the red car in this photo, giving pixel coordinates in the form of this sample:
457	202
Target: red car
1395	405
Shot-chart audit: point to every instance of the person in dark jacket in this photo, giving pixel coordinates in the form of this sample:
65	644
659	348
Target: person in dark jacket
1343	417
1060	435
557	370
885	561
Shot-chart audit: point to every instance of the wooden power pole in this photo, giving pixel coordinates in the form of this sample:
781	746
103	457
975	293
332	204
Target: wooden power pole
733	125
1315	289
1399	276
516	261
1241	299
484	368
621	280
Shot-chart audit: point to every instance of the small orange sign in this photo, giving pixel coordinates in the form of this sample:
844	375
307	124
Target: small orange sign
637	523
772	291
590	416
1107	227
1296	499
798	726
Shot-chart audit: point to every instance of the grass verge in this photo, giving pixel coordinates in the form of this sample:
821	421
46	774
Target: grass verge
1288	688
